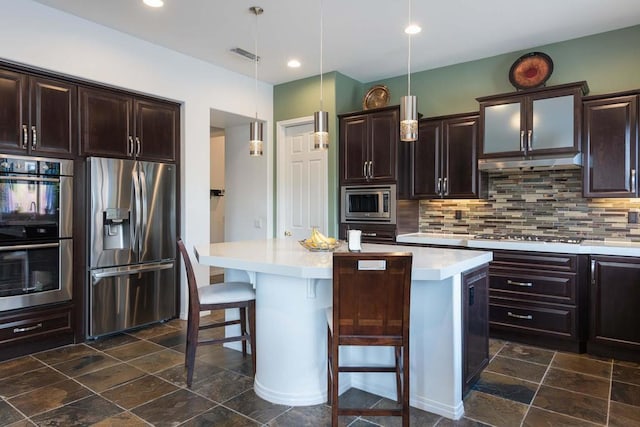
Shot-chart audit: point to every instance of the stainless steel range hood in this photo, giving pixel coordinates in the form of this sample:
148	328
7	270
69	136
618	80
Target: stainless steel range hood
556	162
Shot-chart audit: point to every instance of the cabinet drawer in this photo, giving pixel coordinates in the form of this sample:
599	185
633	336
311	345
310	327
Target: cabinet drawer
546	286
31	325
529	260
539	319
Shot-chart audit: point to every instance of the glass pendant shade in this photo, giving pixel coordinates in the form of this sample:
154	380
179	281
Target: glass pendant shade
255	138
408	118
321	130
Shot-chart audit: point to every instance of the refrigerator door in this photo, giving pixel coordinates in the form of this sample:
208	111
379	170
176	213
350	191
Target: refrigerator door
112	221
126	297
157	211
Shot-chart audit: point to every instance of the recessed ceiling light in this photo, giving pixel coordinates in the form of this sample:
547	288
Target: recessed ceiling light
413	29
153	3
293	63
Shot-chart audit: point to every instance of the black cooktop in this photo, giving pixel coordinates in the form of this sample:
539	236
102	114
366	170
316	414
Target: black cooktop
529	238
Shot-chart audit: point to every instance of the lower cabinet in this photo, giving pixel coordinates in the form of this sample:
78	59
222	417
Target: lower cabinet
539	299
475	324
615	307
371	233
36	329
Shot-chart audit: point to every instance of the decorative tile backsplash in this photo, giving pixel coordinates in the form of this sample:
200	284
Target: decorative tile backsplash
543	203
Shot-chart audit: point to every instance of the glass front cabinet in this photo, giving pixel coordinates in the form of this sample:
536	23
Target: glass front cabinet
538	121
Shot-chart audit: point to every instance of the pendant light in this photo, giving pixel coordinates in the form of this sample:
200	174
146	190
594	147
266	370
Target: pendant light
409	103
321	118
256	127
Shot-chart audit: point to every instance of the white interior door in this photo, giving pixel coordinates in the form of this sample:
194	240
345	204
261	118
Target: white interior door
302	181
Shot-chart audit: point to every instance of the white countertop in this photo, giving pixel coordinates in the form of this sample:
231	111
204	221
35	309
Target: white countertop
589	247
287	257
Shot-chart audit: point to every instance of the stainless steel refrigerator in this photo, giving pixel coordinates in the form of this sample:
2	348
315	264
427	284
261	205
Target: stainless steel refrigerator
132	244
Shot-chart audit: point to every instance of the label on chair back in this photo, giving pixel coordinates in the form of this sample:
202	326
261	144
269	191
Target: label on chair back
372	264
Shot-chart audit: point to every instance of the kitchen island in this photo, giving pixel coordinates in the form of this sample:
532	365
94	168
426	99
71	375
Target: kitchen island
293	289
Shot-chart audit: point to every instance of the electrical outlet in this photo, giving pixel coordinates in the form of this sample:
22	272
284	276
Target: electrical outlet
632	217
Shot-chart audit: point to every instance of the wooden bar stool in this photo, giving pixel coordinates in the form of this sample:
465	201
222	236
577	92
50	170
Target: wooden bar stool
371	296
218	296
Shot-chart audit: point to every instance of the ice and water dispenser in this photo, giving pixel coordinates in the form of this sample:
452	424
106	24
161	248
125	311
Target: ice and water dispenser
116	231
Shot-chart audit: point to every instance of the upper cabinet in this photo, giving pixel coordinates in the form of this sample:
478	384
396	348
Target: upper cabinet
444	161
117	124
37	115
368	146
532	122
611	146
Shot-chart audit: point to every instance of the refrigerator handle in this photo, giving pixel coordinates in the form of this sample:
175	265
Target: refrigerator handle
135	244
144	201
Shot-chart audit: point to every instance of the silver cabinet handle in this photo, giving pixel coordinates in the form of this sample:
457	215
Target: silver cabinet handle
370	234
130	146
529	140
445	189
522	140
34	137
633	180
520	316
525	284
364	169
370	168
138	144
593	272
439	186
25	136
27	328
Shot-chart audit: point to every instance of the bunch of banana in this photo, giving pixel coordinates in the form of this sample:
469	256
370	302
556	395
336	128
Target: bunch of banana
319	240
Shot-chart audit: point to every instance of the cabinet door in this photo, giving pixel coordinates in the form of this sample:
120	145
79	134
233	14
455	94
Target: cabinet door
53	117
426	160
610	131
157	130
353	149
13	110
551	122
460	166
384	134
475	313
503	124
615	302
105	123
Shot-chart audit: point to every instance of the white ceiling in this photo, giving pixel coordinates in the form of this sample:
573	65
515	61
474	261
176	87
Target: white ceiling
363	39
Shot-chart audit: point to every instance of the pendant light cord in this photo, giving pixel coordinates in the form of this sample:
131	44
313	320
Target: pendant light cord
409	57
321	38
256	67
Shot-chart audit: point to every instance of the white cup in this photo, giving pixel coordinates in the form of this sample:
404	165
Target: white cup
354	237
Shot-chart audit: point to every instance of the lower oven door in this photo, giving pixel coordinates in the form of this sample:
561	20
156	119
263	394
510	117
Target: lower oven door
35	274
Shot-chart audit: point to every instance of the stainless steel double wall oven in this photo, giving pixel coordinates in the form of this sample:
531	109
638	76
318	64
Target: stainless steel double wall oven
36	245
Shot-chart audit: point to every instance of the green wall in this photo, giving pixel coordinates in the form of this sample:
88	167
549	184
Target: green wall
609	62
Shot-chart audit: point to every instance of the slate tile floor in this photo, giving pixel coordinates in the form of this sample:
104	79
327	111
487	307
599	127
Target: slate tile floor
137	379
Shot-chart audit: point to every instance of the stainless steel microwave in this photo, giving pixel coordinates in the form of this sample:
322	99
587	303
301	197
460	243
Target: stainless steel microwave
368	203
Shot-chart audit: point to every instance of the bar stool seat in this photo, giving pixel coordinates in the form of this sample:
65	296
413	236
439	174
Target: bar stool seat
218	296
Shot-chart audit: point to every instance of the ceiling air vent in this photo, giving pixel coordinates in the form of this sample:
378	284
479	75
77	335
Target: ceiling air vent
248	55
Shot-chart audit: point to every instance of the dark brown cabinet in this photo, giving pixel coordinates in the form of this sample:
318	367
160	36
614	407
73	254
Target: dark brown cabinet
611	146
615	307
371	233
444	161
539	298
116	124
475	324
368	146
537	121
38	115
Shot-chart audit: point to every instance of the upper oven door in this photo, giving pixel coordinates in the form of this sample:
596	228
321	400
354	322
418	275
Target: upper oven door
41	204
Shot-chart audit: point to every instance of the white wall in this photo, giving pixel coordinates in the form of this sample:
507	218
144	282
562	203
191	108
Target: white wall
43	37
216	175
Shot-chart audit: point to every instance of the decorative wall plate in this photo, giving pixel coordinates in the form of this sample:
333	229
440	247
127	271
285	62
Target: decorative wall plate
376	97
531	70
